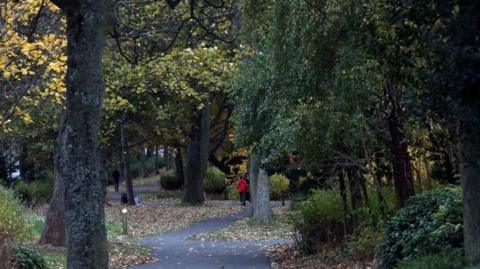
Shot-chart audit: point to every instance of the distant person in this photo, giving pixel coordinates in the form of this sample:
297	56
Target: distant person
116	179
242	187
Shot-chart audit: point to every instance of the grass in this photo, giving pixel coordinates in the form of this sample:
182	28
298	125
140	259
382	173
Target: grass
55	258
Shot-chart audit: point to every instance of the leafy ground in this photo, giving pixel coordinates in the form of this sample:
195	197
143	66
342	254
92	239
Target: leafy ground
153	216
331	257
248	229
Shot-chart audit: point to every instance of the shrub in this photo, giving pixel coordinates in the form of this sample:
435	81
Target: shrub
28	258
443	260
279	188
231	193
319	219
13	222
430	223
169	181
214	181
368	234
36	192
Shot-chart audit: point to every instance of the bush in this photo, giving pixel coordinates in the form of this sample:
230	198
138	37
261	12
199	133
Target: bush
13	222
319	219
214	181
444	260
28	258
169	181
368	234
231	193
430	223
37	192
279	188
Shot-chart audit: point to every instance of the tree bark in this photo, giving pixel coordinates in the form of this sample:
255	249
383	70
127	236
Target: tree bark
253	177
263	209
54	231
126	164
402	169
469	150
86	236
179	166
197	157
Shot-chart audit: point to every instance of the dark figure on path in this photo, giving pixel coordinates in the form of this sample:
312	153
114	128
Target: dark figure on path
242	187
116	179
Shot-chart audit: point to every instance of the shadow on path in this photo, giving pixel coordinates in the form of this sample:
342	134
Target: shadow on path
174	250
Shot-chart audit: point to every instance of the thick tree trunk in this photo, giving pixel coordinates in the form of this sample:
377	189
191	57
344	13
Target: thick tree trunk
197	157
126	164
253	177
263	209
469	151
78	136
402	169
54	230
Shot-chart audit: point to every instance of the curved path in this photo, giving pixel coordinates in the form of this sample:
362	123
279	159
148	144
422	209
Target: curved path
174	250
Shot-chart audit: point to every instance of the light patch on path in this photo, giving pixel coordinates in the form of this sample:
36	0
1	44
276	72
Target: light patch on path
175	250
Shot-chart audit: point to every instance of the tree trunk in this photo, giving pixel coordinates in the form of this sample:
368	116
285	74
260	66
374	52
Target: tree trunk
355	192
27	165
253	177
197	157
3	169
157	160
402	170
143	165
54	231
179	166
449	170
378	184
363	184
263	210
427	173
469	160
343	194
126	164
86	235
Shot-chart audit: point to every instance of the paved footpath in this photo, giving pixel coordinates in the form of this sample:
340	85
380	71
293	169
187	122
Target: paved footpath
174	250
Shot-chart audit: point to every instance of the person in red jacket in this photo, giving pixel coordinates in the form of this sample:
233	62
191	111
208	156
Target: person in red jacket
242	187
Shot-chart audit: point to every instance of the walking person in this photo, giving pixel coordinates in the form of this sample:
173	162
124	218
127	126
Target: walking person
116	179
242	187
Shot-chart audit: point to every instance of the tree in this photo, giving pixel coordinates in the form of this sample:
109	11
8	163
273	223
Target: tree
87	24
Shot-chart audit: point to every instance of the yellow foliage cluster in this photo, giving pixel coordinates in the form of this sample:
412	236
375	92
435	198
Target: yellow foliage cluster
32	62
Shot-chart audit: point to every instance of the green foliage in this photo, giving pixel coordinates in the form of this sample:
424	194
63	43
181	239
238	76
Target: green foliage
443	260
214	181
369	233
36	192
28	258
279	187
231	193
13	221
169	181
319	218
430	223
